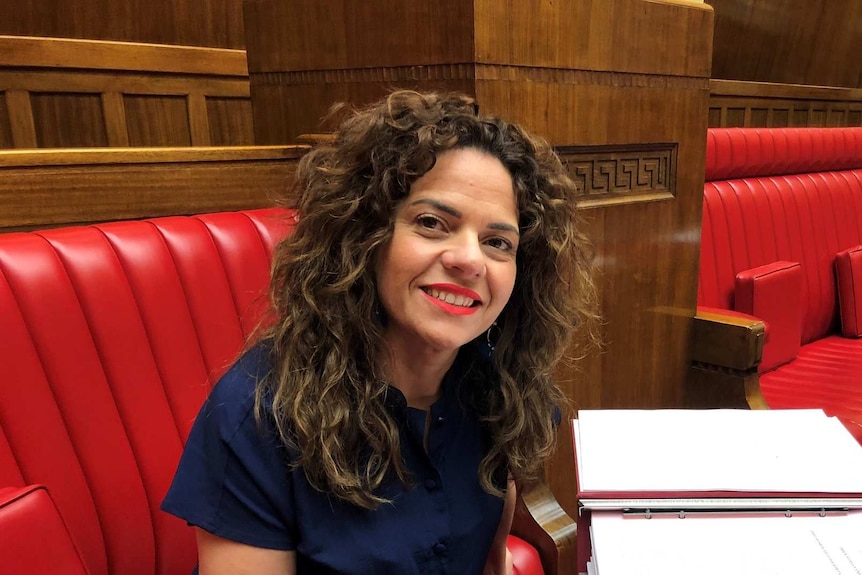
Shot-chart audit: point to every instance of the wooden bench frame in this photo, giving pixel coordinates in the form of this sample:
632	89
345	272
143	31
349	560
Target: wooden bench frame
134	83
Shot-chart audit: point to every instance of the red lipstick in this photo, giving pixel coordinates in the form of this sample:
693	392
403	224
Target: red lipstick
457	290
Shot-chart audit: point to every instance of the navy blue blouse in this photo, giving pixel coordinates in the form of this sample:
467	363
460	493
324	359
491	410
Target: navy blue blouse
234	480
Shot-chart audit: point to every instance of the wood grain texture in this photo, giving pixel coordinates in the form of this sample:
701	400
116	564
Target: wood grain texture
138	84
21	123
157	121
230	121
812	42
765	105
215	23
5	128
49	188
114	109
69	120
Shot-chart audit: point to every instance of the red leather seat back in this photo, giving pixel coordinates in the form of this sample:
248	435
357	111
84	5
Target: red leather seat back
781	194
33	537
112	336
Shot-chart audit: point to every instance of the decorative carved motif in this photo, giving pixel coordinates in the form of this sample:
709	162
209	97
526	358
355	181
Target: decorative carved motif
623	173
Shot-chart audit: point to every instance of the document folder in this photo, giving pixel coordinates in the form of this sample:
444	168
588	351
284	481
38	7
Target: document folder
683	480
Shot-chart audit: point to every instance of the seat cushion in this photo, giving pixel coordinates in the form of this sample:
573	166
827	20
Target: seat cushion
33	537
773	293
525	558
848	273
826	373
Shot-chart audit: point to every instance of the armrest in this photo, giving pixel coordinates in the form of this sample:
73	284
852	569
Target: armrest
540	521
33	537
727	339
726	350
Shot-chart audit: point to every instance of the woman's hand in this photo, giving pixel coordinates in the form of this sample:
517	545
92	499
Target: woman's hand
219	556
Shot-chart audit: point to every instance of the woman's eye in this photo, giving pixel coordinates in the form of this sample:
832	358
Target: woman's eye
429	222
500	244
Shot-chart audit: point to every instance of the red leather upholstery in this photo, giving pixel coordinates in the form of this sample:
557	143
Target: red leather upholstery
33	538
773	293
111	338
848	272
793	195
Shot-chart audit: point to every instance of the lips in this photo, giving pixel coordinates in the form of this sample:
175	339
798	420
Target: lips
453	298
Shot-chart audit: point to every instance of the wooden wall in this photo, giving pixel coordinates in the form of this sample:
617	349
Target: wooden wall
786	63
735	104
213	23
811	42
63	93
621	86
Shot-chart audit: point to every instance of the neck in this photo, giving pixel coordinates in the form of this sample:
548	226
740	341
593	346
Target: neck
418	374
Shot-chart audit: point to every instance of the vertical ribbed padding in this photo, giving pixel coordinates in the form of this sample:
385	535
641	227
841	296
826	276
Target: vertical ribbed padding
747	152
111	337
805	218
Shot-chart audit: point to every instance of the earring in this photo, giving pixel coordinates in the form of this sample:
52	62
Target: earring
492	336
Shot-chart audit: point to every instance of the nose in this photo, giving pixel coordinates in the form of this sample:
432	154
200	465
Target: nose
464	256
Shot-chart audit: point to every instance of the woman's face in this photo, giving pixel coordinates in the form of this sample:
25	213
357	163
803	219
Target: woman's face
449	269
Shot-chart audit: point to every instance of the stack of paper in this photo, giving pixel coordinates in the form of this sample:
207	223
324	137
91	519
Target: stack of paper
718	491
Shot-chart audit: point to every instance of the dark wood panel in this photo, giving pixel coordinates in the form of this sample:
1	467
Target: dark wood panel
765	105
345	34
53	68
230	121
5	126
69	120
812	42
59	187
216	23
157	121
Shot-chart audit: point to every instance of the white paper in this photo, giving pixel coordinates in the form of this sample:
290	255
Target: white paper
716	450
718	545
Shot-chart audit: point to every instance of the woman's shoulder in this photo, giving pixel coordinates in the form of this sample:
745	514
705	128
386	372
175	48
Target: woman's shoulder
232	399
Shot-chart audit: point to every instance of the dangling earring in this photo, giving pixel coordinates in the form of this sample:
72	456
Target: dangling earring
492	337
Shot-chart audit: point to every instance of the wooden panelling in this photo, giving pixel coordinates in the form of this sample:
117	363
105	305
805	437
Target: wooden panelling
69	120
812	42
145	95
758	104
230	121
40	188
5	128
157	120
216	23
616	79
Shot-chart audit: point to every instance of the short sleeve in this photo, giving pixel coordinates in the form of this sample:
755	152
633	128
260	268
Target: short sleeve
234	478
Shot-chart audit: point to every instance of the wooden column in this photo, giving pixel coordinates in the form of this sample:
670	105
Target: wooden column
620	86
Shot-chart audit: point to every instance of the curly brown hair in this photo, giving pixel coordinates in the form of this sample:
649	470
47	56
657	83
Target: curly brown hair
327	386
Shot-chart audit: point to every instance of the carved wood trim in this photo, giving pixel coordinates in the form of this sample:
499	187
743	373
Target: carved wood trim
622	174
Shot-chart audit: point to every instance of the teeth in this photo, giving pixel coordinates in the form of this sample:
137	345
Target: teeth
459	300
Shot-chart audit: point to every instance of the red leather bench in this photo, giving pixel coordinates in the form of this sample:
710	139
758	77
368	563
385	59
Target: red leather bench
781	207
111	337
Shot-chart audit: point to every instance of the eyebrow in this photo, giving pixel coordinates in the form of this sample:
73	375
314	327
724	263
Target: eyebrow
446	208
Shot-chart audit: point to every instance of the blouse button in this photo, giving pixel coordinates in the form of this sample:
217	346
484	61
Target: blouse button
430	484
439	421
439	548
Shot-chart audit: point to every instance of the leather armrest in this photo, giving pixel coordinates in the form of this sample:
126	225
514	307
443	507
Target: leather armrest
33	537
540	521
727	339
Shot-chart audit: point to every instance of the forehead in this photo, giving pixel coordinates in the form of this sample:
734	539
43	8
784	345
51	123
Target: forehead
468	177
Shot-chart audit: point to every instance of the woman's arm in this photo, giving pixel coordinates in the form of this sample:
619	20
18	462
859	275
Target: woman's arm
219	556
499	558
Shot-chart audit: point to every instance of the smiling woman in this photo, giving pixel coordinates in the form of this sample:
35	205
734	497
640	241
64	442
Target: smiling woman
381	422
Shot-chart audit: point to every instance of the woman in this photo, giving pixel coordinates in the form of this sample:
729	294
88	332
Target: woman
380	425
